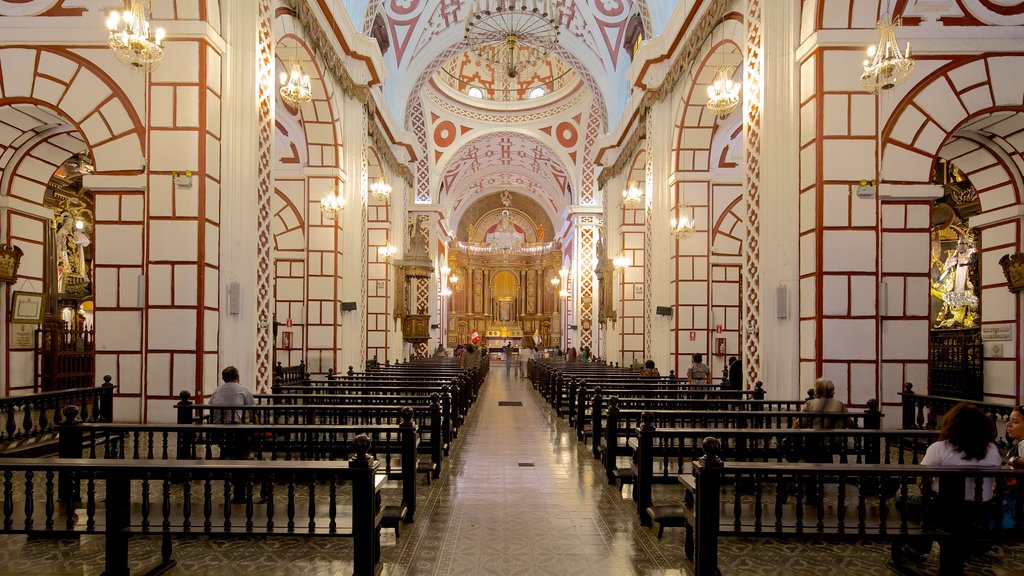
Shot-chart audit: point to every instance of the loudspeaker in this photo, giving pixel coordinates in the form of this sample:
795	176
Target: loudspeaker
782	302
348	306
141	290
883	298
234	298
664	310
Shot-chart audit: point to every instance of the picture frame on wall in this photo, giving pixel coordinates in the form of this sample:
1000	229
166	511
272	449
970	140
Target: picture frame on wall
27	307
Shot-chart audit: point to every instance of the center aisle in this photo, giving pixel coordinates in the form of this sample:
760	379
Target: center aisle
520	495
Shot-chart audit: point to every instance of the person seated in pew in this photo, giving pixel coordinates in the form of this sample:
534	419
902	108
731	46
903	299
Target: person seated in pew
649	370
967	439
230	393
699	372
237	446
735	373
824	402
440	352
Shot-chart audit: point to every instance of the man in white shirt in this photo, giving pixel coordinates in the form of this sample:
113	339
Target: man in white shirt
230	393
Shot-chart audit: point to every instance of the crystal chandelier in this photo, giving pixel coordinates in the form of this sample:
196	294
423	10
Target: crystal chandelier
514	35
683	226
295	87
132	40
886	66
723	93
387	252
381	191
332	205
633	197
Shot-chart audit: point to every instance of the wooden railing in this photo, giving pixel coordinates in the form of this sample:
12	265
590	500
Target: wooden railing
921	411
185	497
30	418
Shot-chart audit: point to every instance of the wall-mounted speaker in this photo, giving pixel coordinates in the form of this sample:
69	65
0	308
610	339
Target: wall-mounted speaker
782	302
348	306
663	310
234	298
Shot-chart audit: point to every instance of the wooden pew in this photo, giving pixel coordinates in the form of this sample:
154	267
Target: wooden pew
776	511
428	419
31	420
661	455
192	497
394	446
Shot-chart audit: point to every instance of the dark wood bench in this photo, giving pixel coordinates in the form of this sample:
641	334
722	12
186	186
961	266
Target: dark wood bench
30	421
769	500
428	419
191	497
395	447
661	455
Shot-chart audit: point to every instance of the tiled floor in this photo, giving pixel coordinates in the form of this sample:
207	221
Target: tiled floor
519	496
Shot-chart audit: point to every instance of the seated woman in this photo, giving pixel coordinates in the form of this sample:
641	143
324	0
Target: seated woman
824	402
966	440
649	370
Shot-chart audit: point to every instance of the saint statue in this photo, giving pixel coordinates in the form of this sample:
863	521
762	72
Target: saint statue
70	243
540	233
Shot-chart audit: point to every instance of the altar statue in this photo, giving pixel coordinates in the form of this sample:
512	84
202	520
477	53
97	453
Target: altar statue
954	287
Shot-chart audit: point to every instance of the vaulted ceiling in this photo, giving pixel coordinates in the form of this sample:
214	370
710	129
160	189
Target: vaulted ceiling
483	132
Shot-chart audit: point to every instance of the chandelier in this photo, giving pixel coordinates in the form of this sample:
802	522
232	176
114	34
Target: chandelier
332	205
514	35
387	252
886	66
723	93
295	87
381	191
132	40
683	226
633	197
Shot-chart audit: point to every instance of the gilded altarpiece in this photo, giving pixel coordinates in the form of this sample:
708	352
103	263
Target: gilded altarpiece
504	288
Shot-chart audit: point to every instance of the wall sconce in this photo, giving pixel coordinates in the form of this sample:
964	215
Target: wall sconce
387	252
563	293
620	262
633	197
453	280
445	292
684	225
332	205
563	273
381	191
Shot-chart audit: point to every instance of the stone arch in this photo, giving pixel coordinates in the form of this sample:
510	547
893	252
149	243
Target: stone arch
288	225
76	93
940	105
317	119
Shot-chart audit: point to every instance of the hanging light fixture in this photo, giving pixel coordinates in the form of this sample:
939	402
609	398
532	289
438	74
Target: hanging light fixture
381	191
513	35
387	252
620	262
683	226
332	205
133	41
633	197
886	65
295	87
723	93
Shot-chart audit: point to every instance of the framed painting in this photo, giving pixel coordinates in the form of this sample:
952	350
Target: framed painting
27	307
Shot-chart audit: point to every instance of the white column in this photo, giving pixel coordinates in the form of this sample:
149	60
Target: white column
239	207
779	230
351	269
659	291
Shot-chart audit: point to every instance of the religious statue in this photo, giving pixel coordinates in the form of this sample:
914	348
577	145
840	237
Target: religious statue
954	286
540	233
70	244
